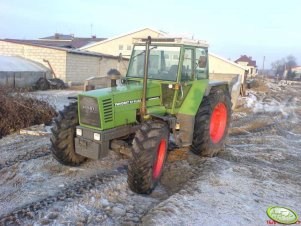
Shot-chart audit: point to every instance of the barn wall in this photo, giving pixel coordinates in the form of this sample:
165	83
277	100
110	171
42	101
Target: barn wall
219	66
82	67
57	58
122	44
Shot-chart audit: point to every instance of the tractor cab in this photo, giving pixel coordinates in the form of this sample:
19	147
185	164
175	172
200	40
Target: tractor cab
170	59
175	63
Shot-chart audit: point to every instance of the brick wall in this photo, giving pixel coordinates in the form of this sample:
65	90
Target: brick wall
57	58
67	66
81	67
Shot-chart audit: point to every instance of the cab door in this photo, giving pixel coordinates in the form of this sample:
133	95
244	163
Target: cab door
187	75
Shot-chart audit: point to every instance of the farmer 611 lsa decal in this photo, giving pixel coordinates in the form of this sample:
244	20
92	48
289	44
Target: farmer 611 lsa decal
122	103
282	215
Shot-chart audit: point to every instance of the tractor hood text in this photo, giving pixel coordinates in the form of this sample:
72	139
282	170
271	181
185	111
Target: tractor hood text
118	105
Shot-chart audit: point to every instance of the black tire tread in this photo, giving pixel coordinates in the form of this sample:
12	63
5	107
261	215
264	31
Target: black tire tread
201	144
144	150
62	138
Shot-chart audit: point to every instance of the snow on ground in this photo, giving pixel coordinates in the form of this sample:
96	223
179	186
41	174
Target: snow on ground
259	167
57	98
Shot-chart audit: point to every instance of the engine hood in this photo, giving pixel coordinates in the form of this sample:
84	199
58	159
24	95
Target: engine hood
118	105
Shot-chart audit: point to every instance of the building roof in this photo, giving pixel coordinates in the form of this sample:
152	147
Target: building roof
58	36
68	50
228	61
120	36
19	64
245	58
65	41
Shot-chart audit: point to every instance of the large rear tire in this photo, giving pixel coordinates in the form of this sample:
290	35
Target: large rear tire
149	152
62	139
211	123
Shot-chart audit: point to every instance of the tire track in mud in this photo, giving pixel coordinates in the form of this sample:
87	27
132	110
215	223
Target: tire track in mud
72	191
87	188
267	120
265	144
32	154
21	148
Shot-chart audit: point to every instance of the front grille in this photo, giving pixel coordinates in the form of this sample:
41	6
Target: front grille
89	111
107	110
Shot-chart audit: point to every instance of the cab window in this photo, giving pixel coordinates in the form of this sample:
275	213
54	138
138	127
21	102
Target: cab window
187	67
201	64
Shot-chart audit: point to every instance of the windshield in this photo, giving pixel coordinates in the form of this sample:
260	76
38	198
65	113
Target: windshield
163	62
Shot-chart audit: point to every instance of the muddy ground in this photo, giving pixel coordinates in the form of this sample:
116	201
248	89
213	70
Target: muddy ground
260	167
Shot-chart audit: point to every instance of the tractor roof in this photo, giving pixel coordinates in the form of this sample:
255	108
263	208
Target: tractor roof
175	40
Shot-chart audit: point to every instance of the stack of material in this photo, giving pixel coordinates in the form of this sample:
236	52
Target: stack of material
18	111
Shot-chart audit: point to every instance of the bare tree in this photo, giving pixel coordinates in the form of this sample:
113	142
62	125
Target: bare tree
279	66
291	62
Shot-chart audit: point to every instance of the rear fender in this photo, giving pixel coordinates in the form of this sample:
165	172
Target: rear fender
219	85
187	120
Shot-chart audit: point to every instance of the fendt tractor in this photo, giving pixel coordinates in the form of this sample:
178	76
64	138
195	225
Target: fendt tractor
165	100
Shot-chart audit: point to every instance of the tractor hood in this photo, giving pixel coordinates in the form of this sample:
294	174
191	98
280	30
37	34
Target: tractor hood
115	106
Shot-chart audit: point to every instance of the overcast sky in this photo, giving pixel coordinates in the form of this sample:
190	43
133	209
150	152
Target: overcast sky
256	28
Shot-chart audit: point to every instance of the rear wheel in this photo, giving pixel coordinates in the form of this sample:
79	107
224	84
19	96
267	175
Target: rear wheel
149	152
62	139
212	123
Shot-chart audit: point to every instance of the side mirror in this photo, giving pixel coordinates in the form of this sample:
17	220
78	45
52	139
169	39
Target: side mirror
202	62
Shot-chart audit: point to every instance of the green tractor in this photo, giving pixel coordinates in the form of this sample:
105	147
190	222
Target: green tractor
164	101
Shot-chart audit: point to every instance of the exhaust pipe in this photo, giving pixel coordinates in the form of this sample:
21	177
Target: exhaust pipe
113	75
146	61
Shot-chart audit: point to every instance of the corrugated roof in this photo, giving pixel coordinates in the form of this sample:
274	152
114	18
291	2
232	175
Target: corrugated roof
64	37
70	44
19	64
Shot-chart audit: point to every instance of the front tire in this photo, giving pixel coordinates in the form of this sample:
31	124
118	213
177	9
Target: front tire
211	123
149	152
62	139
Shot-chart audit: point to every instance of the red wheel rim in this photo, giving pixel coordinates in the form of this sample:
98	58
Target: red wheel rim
161	152
218	122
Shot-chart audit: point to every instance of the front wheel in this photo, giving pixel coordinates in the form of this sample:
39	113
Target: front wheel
62	139
149	152
211	123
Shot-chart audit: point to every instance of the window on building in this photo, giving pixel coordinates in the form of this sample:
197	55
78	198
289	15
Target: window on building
120	47
129	47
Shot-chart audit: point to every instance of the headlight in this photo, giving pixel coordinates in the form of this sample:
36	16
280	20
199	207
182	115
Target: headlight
96	136
79	132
